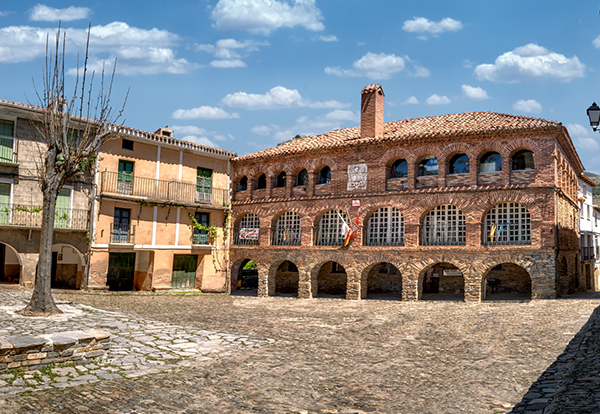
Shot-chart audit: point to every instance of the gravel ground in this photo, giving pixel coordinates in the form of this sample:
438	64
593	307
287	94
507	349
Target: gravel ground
336	356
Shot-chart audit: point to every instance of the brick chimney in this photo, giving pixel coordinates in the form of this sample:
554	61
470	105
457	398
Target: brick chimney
371	111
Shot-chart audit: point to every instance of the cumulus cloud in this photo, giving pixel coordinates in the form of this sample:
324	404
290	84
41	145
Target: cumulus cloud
330	38
531	62
235	63
200	140
343	115
411	101
265	16
475	93
426	28
277	97
261	130
188	130
378	66
229	52
437	100
582	136
203	112
43	13
529	106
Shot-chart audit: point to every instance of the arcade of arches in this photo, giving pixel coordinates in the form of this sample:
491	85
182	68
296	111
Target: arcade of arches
409	276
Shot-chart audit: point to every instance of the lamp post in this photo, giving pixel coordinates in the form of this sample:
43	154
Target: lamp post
593	113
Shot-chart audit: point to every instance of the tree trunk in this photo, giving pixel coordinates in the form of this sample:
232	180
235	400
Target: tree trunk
41	302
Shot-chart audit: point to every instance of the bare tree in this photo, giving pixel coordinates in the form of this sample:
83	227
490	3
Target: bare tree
71	131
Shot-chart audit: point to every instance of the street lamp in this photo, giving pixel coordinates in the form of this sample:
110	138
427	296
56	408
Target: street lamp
593	113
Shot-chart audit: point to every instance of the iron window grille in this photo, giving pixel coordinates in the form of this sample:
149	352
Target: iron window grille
385	228
249	221
330	228
287	231
444	226
511	223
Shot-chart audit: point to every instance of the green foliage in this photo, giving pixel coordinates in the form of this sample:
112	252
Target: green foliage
212	230
596	189
250	265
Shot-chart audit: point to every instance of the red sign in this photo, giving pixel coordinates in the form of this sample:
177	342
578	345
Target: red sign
355	203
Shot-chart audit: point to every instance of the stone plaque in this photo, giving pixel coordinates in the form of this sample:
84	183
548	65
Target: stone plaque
357	177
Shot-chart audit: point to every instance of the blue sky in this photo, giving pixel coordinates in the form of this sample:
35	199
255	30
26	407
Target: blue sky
244	75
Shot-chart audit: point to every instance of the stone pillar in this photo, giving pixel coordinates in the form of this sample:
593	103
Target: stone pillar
410	286
312	180
473	170
264	284
442	173
304	284
472	287
506	167
289	183
473	234
411	235
353	284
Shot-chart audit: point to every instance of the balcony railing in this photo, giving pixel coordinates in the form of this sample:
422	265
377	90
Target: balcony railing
200	239
21	215
121	233
162	190
8	150
246	237
444	235
587	253
285	237
329	238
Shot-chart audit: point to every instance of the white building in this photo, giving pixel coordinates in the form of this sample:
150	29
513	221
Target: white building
589	235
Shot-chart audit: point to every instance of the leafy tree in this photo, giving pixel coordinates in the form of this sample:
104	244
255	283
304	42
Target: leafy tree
71	132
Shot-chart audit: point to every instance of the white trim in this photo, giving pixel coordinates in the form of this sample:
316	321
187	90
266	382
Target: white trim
157	163
177	226
154	219
114	246
180	165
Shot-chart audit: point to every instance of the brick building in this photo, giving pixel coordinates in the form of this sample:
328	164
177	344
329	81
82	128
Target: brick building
474	205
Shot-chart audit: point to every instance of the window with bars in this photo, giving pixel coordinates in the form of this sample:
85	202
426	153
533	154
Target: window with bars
248	231
385	228
444	226
287	231
511	224
331	227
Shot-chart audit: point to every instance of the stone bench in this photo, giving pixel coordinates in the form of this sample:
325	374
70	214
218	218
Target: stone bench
35	352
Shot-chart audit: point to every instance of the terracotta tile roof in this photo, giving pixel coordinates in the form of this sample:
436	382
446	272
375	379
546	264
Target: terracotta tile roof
139	133
422	129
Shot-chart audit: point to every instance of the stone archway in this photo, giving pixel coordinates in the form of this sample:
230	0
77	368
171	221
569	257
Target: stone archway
244	278
11	266
287	279
383	281
442	281
68	266
506	281
332	280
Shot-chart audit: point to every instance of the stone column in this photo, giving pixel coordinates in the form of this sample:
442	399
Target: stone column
411	235
353	285
304	284
442	173
473	170
410	286
264	284
472	287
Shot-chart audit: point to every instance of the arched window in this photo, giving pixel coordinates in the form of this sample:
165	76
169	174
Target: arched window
302	178
332	227
385	228
248	231
490	162
459	164
523	160
325	176
287	231
507	223
243	184
261	183
444	226
399	169
280	180
428	166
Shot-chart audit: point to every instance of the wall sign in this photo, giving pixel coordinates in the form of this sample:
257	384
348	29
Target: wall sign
249	234
355	203
357	177
546	231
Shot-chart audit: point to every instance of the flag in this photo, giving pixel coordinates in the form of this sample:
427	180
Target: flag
492	232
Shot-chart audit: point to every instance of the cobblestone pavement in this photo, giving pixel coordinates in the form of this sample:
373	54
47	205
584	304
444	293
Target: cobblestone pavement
327	355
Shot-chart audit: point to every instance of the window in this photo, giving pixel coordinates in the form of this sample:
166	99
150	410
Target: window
302	178
5	207
490	162
443	226
243	184
428	166
288	230
385	228
127	144
120	228
63	209
507	223
280	179
7	130
125	177
261	184
203	185
201	236
332	228
459	164
325	175
248	231
399	169
522	161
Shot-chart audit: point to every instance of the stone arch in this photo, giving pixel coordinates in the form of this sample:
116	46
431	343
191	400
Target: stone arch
350	277
484	204
420	270
515	145
12	264
506	281
285	277
317	164
238	275
70	266
381	282
491	147
449	150
391	155
421	207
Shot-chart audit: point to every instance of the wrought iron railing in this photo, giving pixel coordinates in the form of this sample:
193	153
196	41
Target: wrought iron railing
162	190
329	238
246	238
122	233
22	215
8	150
444	235
285	237
200	238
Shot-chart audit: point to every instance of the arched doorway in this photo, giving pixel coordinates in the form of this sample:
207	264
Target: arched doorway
286	279
443	281
506	281
67	267
384	281
246	282
332	280
10	264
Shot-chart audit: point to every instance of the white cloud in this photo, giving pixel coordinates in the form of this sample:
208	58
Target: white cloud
261	130
596	42
588	143
188	130
265	16
203	112
199	140
277	97
437	100
581	135
371	65
43	13
411	101
235	63
139	51
426	28
229	52
530	62
529	106
343	115
330	38
475	93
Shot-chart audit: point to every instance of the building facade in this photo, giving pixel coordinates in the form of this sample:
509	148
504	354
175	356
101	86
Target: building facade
470	206
589	233
21	152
